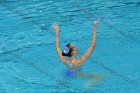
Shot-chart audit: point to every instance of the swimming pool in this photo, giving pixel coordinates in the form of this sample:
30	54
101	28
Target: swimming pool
28	59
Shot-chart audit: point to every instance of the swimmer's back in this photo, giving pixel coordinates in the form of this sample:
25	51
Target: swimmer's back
73	64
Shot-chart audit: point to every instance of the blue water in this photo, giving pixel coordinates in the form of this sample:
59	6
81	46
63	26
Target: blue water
28	59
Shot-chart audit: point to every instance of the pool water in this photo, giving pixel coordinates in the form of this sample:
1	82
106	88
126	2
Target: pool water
28	59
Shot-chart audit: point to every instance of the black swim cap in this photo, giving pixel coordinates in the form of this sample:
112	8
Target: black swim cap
67	51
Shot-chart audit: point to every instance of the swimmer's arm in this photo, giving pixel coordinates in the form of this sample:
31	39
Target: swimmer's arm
91	48
56	29
58	49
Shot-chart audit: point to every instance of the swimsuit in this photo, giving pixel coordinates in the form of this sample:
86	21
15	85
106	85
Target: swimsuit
73	70
72	73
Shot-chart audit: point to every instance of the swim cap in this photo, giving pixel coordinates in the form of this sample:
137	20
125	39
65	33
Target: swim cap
67	50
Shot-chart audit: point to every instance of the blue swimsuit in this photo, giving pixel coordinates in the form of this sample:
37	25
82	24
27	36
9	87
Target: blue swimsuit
72	73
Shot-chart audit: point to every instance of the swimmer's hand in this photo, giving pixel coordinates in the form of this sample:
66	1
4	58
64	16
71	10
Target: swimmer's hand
96	22
56	28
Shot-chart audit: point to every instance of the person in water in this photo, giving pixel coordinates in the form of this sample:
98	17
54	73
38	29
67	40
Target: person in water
71	51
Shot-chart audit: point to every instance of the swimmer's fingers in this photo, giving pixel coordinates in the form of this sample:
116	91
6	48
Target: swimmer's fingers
56	27
54	24
96	21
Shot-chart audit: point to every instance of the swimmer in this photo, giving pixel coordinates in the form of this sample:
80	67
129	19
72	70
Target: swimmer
71	51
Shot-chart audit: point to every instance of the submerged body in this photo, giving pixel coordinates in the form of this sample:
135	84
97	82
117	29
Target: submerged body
71	51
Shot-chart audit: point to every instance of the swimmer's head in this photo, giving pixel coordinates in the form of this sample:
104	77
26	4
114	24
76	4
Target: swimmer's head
69	50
